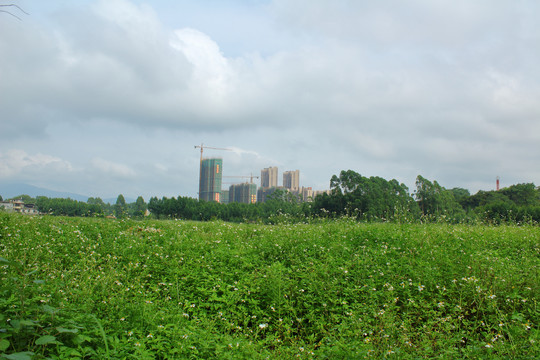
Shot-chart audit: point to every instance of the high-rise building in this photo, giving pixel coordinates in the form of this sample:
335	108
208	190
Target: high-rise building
210	179
291	180
269	177
243	193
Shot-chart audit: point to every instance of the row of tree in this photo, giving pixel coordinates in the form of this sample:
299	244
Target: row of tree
376	198
351	195
67	207
279	205
370	199
93	207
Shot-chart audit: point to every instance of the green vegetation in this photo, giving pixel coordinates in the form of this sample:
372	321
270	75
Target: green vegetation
97	288
67	207
370	199
351	195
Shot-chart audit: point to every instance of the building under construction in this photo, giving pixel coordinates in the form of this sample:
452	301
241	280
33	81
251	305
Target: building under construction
243	193
210	179
210	182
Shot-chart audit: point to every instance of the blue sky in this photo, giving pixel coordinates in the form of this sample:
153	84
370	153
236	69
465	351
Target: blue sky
108	97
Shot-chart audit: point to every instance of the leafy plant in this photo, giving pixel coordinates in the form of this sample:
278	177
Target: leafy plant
120	289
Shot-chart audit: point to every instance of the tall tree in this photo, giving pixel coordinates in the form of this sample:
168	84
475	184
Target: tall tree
367	198
460	194
95	201
139	208
120	207
436	201
522	194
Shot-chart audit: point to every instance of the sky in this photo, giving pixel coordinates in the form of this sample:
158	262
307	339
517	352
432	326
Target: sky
108	97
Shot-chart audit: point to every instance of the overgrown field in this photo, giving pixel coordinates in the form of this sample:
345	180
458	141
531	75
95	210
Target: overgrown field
101	288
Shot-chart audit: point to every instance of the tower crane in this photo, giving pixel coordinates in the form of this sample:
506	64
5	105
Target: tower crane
202	147
244	176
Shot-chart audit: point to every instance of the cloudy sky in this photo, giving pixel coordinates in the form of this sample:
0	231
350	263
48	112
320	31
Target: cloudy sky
102	97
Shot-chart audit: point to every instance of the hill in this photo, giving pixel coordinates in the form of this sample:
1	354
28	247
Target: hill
11	190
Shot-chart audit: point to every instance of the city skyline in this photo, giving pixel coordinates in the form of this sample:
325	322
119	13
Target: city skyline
211	175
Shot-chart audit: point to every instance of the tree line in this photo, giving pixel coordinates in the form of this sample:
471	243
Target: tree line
369	199
351	195
375	198
92	207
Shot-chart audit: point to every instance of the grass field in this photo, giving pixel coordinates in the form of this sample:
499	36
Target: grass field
101	288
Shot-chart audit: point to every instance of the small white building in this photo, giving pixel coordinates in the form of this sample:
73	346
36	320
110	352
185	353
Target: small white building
6	205
19	206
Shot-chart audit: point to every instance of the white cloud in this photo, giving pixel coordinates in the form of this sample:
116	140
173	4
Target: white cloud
140	21
18	162
110	168
161	167
211	69
240	152
386	88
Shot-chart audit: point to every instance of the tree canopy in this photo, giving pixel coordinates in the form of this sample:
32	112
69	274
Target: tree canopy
352	195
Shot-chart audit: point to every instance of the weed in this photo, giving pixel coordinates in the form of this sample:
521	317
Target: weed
96	288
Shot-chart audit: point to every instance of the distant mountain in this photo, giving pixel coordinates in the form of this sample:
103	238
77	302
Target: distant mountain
11	190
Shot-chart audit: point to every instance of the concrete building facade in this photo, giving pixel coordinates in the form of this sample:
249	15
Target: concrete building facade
210	179
307	194
269	177
18	206
243	193
291	180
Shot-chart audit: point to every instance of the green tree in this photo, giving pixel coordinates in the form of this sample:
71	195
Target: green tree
460	194
517	203
139	207
120	208
522	194
425	195
436	201
155	206
27	199
67	207
99	203
482	198
346	183
367	198
95	201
